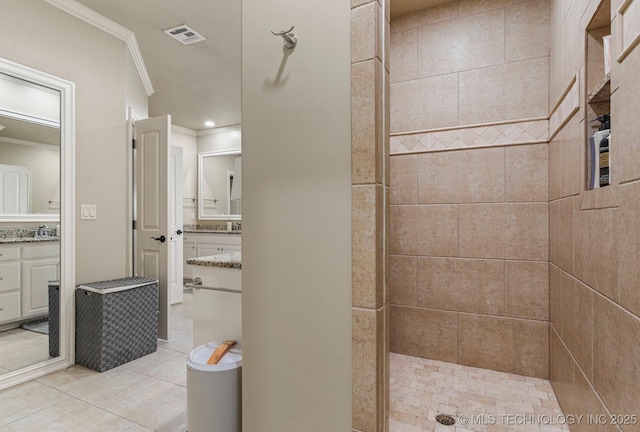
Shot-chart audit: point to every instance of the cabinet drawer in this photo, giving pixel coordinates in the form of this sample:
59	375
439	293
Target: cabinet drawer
10	253
51	249
9	276
219	239
189	238
9	306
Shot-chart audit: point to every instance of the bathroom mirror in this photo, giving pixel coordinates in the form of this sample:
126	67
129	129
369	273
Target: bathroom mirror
218	174
29	151
36	207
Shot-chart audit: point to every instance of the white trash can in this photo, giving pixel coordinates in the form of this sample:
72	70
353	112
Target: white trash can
214	392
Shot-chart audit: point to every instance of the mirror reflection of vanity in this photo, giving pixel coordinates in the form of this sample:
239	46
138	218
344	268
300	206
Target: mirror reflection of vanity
35	132
219	185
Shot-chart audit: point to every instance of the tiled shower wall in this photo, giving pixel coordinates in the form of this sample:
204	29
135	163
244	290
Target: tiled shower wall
370	192
469	185
594	235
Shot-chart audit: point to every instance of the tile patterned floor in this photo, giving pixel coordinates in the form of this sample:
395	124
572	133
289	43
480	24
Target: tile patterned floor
147	394
480	400
21	348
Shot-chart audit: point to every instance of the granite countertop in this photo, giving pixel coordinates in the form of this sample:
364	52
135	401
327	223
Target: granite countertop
209	231
28	240
225	260
26	235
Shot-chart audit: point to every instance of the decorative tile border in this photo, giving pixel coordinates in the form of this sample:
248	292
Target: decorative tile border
519	132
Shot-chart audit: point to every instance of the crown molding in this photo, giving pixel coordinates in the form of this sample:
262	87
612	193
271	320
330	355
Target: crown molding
219	130
90	16
183	130
16	141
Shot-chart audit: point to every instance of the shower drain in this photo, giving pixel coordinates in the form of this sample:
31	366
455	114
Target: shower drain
445	420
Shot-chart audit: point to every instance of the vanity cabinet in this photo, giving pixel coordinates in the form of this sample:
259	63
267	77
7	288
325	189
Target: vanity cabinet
207	244
9	283
25	272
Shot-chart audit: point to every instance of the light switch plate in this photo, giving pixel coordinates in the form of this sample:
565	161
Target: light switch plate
88	212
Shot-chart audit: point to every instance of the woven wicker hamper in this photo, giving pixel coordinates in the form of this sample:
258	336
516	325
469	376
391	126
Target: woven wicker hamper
116	322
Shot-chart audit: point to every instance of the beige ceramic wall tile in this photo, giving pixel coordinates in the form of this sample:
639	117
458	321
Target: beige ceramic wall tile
403	280
615	358
596	249
527	290
465	285
566	45
629	247
511	91
561	233
469	7
527	173
562	373
424	230
564	161
509	231
424	17
624	126
577	321
365	32
555	298
425	333
424	104
527	30
462	44
497	343
587	402
367	363
404	178
386	130
403	54
366	134
367	238
465	176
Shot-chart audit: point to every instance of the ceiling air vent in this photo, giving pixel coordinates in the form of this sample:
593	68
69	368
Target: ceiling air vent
185	34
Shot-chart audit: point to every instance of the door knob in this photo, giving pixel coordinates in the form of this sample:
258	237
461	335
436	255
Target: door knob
161	239
179	232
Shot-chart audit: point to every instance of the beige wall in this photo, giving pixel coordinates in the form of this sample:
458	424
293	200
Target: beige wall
96	63
296	243
594	250
468	279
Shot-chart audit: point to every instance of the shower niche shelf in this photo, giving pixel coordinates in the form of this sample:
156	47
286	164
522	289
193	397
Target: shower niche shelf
598	92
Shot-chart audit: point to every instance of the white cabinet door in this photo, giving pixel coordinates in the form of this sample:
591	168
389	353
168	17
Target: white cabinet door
189	252
208	250
9	306
36	275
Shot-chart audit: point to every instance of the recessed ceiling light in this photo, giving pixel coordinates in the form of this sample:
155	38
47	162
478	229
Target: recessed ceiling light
209	124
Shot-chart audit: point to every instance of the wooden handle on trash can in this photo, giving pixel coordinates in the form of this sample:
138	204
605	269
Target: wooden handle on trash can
220	351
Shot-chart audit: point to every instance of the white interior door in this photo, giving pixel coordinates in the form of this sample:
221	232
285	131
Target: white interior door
152	255
175	225
14	189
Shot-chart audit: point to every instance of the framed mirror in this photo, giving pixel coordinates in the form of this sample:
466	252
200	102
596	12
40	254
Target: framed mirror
36	207
219	185
29	151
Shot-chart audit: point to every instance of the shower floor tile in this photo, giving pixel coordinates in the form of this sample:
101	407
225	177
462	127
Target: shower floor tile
479	400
